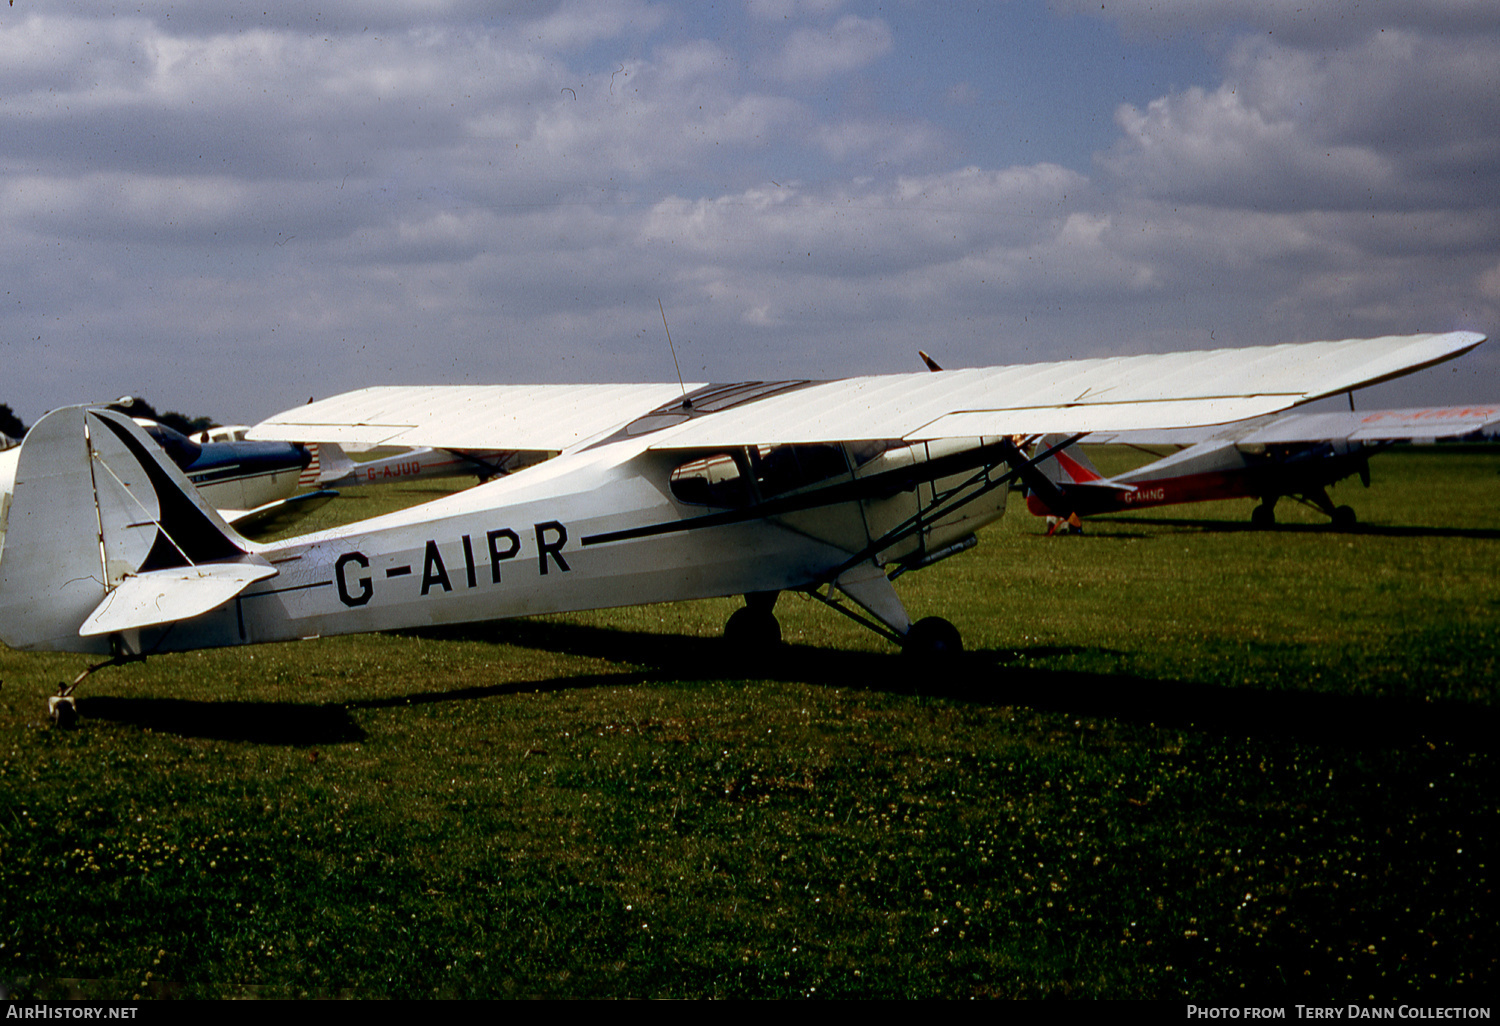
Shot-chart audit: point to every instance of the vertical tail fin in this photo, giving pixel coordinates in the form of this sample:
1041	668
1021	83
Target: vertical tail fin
1068	466
334	464
95	501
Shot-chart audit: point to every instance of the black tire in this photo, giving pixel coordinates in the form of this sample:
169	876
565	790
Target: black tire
1344	518
753	631
933	638
1263	517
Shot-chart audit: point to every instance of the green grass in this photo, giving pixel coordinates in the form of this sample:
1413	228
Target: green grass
1181	759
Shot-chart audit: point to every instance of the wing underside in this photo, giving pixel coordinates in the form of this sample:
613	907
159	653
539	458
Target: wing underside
1401	425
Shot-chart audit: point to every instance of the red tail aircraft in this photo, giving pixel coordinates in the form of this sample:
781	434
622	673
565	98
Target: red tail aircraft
1294	456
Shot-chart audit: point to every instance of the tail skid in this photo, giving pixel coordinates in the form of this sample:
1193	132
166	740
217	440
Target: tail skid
106	536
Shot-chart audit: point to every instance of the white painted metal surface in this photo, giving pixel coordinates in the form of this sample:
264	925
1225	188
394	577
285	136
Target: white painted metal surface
1337	426
1107	394
164	596
530	417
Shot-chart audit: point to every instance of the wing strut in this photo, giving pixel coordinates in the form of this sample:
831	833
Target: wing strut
889	482
1021	467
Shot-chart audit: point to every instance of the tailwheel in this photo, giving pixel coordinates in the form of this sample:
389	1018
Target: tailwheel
933	638
62	711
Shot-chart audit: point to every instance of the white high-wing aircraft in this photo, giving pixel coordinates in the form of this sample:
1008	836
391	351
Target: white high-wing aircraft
659	493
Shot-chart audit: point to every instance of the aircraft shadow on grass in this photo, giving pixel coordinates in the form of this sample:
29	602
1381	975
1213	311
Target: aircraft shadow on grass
300	723
987	677
272	723
990	677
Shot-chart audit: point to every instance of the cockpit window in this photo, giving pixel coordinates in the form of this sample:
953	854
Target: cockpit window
742	477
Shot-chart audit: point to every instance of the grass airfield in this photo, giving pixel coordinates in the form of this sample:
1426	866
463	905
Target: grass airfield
1181	759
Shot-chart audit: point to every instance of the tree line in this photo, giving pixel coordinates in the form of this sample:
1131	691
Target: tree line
11	425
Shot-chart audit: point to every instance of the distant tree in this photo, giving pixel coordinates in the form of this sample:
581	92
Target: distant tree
10	424
138	407
187	425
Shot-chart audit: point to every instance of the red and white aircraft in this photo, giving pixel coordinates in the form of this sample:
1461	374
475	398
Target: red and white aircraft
1292	455
659	493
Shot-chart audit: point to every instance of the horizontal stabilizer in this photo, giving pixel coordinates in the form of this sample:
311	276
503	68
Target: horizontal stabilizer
165	596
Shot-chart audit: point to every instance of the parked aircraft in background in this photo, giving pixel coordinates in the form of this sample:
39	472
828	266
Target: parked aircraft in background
245	481
250	484
339	471
331	467
659	493
1292	455
381	419
254	483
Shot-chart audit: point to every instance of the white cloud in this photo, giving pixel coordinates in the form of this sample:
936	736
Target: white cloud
1397	121
1211	148
578	23
814	54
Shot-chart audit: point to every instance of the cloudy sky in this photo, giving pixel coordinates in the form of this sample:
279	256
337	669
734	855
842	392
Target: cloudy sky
228	208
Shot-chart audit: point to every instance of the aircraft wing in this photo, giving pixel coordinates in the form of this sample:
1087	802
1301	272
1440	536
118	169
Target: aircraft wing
1103	394
533	418
1340	425
1377	425
1112	393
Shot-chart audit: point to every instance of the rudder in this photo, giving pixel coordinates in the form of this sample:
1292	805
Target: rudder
95	501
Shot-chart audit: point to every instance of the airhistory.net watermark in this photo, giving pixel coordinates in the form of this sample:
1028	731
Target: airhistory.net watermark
40	1011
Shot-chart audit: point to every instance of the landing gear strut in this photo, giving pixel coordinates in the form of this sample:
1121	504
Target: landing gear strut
62	710
1342	517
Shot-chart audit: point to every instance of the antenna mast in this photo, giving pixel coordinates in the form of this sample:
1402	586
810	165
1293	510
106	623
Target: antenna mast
670	346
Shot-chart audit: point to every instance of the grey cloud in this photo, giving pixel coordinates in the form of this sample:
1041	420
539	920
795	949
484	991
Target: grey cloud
1326	23
462	193
1399	121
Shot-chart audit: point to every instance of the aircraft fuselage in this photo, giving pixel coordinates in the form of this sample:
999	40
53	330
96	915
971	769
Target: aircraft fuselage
538	542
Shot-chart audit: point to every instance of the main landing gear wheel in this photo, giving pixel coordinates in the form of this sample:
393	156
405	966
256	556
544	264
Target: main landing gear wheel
1343	517
1263	516
932	638
753	631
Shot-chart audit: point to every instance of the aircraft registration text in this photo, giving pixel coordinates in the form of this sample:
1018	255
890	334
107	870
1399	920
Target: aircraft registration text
356	584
